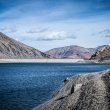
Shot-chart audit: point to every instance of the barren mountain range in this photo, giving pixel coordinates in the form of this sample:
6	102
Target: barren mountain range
74	51
12	49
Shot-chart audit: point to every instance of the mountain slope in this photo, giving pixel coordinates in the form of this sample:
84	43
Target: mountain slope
73	52
82	92
10	48
102	54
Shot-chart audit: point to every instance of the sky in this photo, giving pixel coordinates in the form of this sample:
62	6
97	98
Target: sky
47	24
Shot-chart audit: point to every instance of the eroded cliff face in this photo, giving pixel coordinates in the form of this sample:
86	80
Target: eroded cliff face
103	55
10	48
82	92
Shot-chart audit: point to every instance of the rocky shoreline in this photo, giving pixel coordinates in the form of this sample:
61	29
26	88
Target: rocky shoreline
82	92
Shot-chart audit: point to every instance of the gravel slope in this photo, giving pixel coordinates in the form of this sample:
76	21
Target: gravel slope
82	92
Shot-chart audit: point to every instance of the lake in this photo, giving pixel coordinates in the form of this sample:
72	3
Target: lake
26	85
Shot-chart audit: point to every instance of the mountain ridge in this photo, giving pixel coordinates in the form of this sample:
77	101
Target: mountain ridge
10	48
102	55
73	51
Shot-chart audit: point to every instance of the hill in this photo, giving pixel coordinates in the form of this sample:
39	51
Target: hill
12	49
73	51
103	54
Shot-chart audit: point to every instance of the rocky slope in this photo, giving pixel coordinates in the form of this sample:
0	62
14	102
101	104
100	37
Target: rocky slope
73	52
103	55
82	92
10	48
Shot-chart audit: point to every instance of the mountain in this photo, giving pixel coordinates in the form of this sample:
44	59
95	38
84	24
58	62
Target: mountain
73	51
82	92
102	54
10	48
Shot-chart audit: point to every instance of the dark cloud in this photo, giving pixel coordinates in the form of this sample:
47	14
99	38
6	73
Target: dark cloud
106	31
103	33
107	36
66	9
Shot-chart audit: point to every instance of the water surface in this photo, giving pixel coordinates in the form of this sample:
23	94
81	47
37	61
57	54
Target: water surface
26	85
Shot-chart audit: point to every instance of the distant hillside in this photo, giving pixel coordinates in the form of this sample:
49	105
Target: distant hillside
102	54
10	48
73	52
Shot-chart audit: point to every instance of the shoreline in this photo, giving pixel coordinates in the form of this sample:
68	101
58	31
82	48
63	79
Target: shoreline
77	93
46	61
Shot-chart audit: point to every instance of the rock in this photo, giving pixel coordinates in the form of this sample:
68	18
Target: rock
66	80
77	86
82	92
72	89
102	55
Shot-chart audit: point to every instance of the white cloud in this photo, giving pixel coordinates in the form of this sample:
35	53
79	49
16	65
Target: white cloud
8	29
59	35
47	35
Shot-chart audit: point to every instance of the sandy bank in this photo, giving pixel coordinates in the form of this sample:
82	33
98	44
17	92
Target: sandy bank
42	61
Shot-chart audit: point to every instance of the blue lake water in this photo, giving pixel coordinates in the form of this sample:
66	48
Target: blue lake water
24	86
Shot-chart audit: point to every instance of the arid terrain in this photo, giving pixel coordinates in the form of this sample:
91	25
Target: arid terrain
82	92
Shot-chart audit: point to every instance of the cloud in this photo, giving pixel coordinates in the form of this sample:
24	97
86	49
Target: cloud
35	22
37	30
107	36
2	29
34	33
57	35
53	10
106	31
103	33
8	29
48	35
